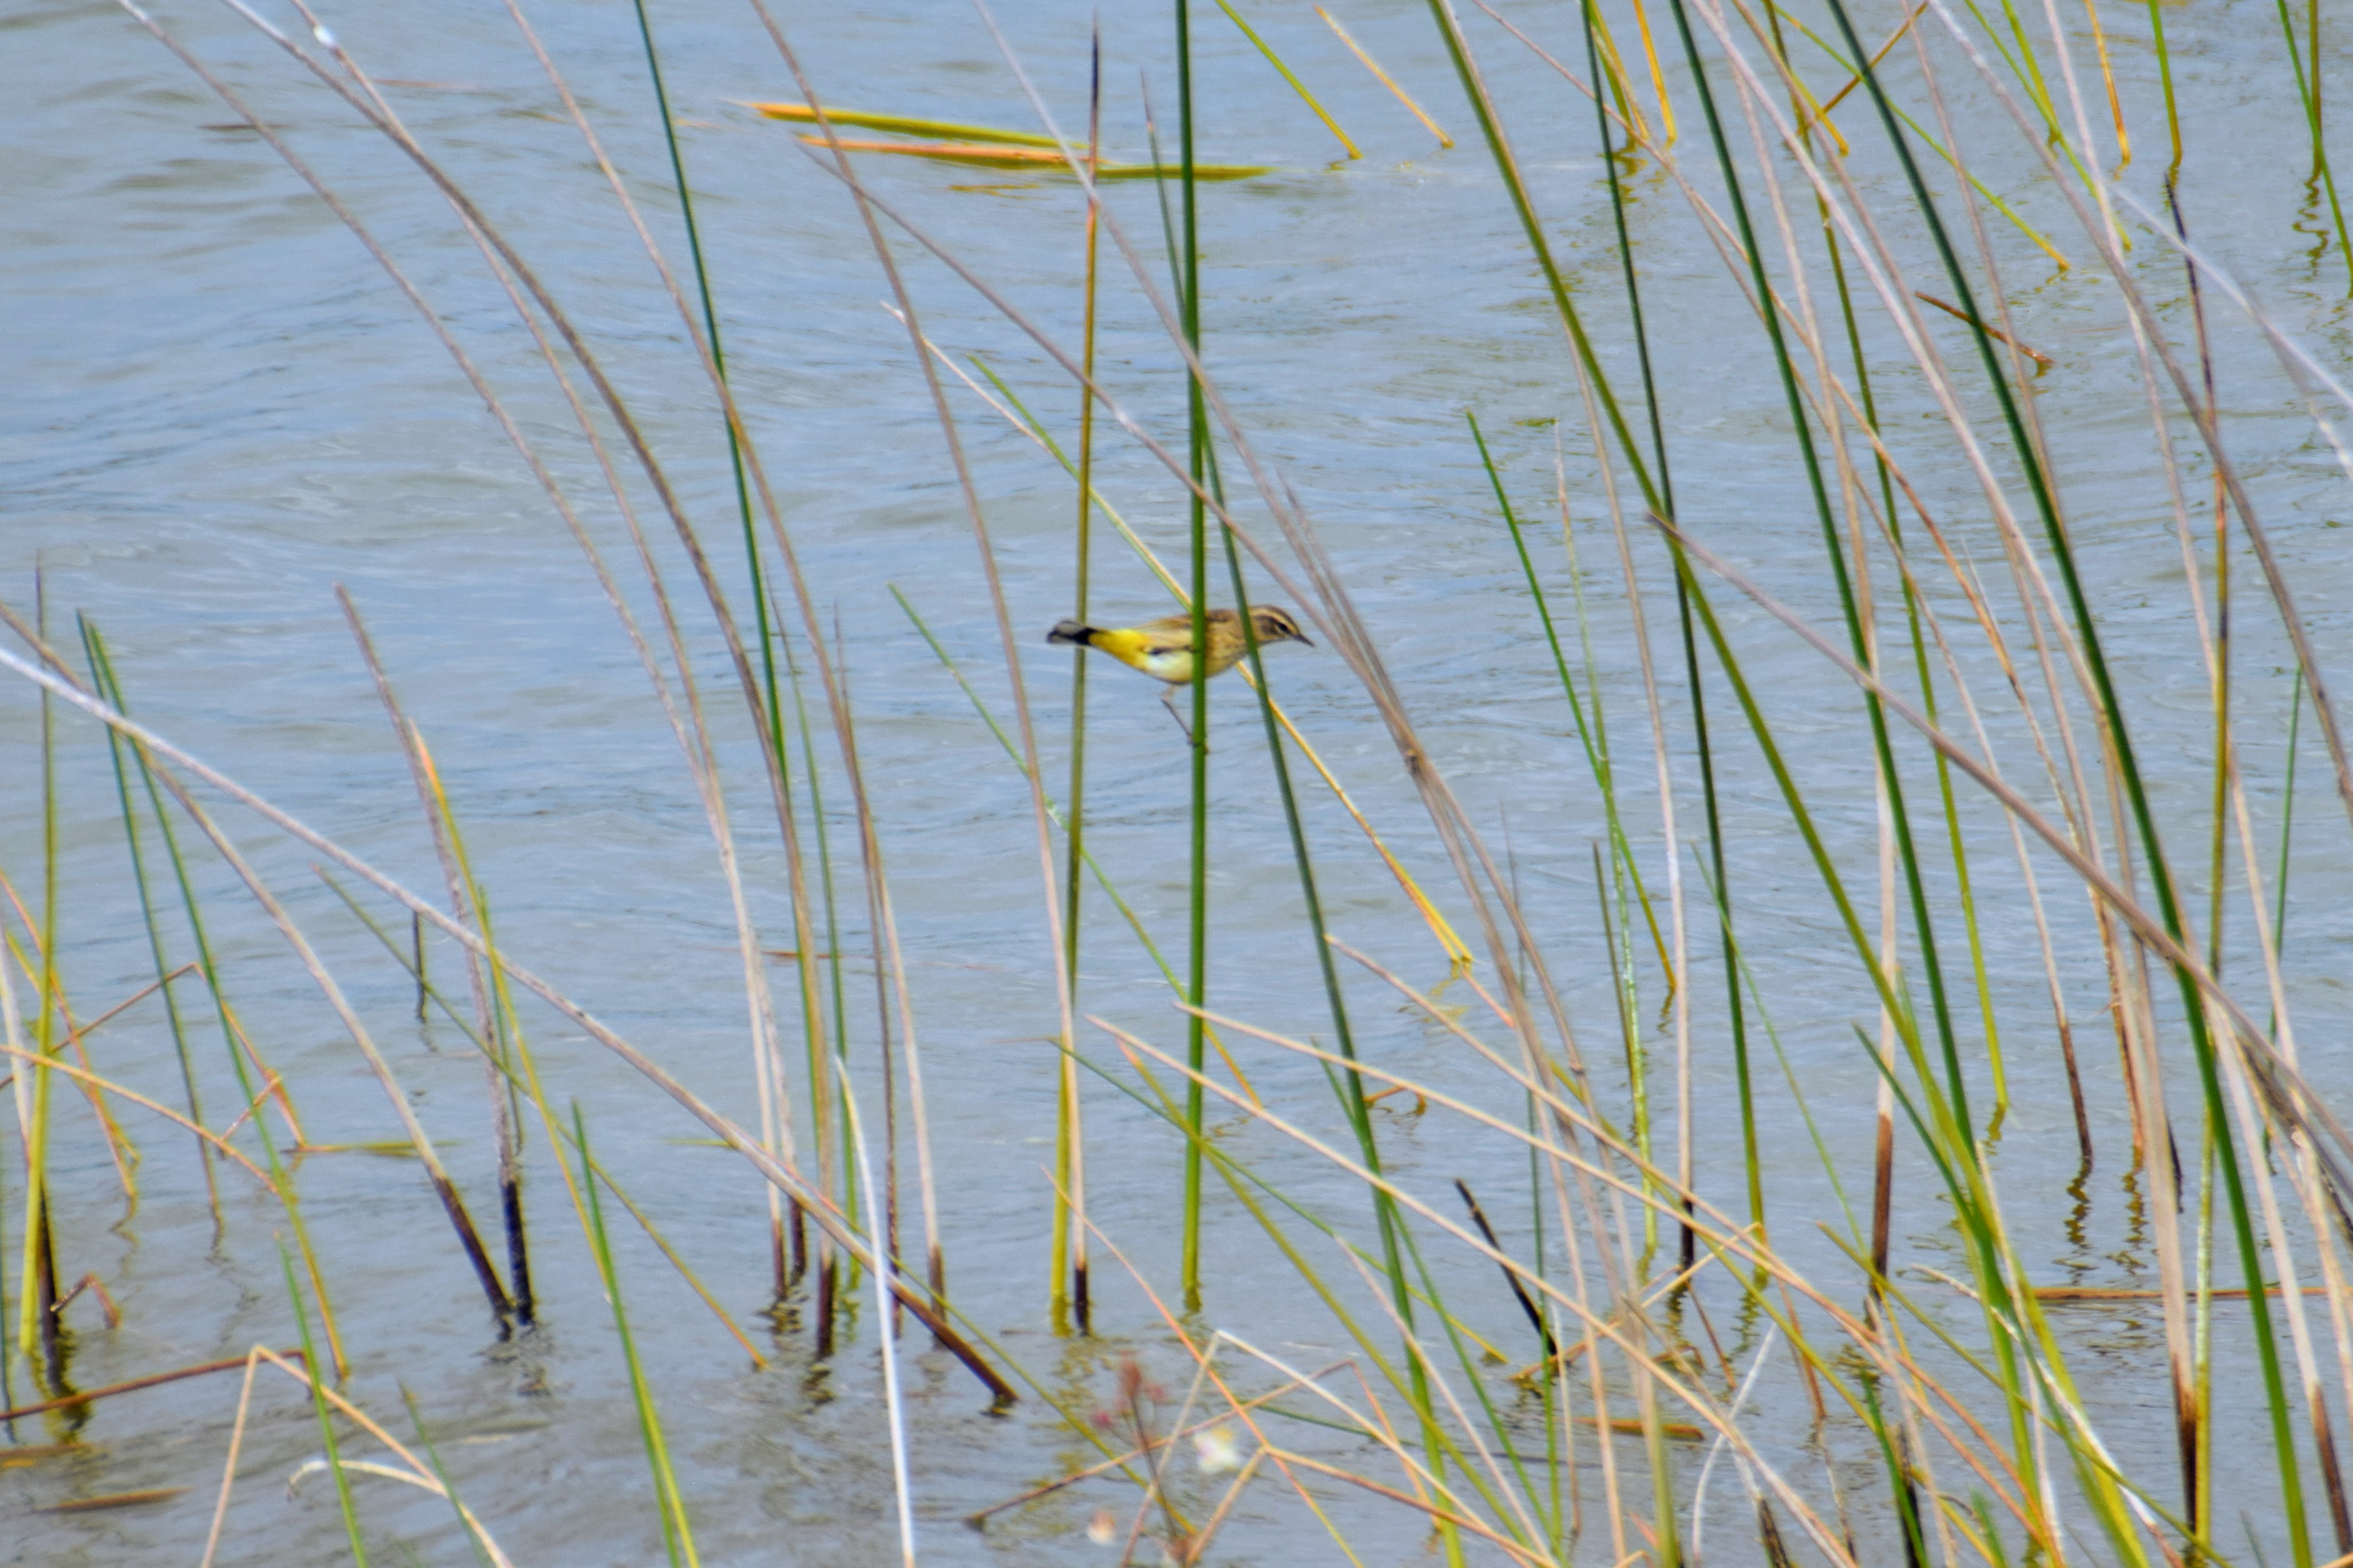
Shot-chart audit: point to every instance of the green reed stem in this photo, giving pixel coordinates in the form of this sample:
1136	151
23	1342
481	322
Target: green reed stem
326	1420
1736	1017
1188	306
1962	1149
1858	637
1475	88
1241	1179
764	618
760	610
2164	75
2145	822
1789	1077
109	686
2287	824
678	1537
36	1322
441	1474
178	1027
1955	839
1350	1085
1596	758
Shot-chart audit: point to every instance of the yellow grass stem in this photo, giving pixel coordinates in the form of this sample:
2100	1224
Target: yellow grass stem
904	125
1296	85
1035	161
1384	78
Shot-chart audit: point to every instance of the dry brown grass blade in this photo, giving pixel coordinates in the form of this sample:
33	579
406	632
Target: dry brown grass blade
976	516
219	1141
512	275
1176	1326
119	1151
771	1166
431	799
2037	355
132	1385
1878	55
35	1453
84	1031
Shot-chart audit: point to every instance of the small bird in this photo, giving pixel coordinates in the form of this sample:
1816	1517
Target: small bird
1164	648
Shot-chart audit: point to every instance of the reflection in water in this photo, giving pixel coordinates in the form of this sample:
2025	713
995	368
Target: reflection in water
2130	1256
2079	1213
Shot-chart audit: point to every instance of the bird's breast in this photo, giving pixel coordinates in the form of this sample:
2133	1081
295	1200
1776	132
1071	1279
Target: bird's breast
1174	665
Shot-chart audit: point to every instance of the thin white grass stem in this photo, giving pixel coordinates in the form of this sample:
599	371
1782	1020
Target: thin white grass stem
884	1275
1716	1448
418	1471
228	1463
1681	979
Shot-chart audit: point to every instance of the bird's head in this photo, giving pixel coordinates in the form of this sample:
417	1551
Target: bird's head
1273	625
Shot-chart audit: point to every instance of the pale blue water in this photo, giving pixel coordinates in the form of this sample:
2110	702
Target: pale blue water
217	408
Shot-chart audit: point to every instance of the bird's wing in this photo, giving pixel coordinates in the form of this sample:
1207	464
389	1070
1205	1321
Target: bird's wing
1168	634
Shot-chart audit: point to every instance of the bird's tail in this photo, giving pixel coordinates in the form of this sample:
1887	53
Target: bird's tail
1072	632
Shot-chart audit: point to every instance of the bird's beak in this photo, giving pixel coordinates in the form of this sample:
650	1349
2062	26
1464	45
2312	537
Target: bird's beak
1303	636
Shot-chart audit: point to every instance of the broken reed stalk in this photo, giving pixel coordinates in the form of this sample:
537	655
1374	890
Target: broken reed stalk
466	903
37	1287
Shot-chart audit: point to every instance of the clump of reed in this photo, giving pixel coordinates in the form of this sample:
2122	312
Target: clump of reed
1652	1344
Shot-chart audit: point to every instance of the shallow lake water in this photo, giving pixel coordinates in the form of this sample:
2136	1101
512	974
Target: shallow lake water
217	408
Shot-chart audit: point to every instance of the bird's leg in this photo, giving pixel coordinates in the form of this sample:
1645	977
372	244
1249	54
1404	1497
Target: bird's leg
1168	701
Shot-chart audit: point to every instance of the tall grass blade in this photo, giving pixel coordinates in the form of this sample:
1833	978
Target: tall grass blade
678	1535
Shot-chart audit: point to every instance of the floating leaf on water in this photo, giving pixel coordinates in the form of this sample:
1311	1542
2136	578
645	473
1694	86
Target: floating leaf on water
1041	161
113	1500
903	124
33	1455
